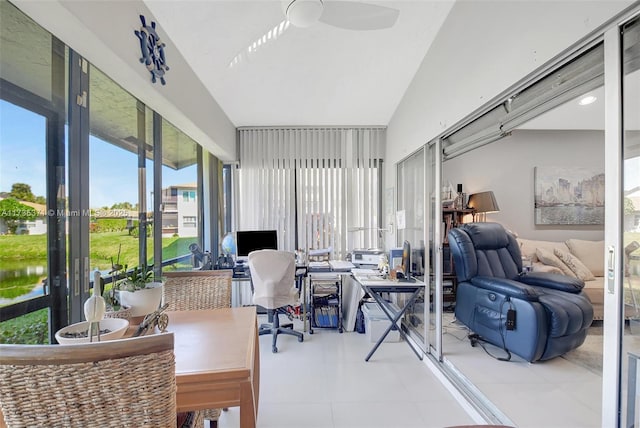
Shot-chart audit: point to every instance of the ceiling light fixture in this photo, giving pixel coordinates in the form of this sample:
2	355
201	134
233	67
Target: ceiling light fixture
589	99
304	13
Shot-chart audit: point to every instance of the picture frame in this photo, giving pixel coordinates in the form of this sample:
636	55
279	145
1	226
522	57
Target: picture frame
568	196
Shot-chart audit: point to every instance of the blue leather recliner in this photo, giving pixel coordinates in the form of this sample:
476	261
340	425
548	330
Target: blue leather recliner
534	315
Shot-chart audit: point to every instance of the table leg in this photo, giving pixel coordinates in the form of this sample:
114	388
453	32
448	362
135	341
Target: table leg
248	407
394	321
256	374
304	304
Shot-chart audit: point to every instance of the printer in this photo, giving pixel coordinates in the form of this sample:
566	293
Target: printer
366	259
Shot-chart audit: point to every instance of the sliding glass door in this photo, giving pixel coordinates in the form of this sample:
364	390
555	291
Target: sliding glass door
628	286
410	225
24	218
32	180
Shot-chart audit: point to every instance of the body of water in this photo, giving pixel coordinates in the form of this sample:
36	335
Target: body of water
26	281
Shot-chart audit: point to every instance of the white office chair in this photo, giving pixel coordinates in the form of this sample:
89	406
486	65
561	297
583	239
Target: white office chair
273	278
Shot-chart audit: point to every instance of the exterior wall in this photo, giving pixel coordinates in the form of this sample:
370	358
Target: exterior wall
180	215
36	227
187	208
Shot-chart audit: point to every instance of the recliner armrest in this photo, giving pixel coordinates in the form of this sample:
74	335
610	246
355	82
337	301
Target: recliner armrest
553	280
506	287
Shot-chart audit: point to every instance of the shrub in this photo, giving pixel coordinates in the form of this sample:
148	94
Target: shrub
108	225
29	329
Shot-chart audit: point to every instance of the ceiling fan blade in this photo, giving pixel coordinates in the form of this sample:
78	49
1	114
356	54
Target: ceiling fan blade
358	16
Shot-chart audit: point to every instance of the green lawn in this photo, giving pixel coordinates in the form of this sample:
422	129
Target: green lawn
18	251
21	251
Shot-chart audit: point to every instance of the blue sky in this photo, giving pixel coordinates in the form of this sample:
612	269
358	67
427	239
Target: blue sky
113	171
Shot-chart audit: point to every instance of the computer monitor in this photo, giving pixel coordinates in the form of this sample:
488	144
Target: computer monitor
252	240
406	260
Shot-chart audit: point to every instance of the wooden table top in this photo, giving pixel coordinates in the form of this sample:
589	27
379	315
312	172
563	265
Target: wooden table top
214	340
217	360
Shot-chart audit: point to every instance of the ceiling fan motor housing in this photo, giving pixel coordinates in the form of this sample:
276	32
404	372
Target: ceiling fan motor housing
303	13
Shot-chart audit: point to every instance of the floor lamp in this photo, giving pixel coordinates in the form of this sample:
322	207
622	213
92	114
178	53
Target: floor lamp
483	203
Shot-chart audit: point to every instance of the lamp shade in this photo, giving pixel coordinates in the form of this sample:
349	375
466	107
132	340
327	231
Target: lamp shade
483	202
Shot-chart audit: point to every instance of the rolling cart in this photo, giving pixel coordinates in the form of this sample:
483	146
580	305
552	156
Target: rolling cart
325	301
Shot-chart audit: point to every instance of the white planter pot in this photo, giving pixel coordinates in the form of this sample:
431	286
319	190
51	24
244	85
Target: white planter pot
142	302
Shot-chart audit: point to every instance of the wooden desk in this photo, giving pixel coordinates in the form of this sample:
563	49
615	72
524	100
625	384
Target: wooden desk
217	360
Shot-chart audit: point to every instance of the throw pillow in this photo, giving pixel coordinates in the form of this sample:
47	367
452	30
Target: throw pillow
590	253
528	247
576	266
540	267
548	258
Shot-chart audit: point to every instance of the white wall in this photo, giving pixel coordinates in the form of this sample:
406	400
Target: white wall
483	48
506	167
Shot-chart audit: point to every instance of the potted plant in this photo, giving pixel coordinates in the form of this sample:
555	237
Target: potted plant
113	307
140	290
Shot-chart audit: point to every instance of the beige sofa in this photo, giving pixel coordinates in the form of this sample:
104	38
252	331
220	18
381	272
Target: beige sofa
560	257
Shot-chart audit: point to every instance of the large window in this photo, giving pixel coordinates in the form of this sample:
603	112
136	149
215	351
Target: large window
319	188
32	211
180	196
83	194
118	132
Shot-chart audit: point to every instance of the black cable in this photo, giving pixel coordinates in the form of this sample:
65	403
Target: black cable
476	339
503	332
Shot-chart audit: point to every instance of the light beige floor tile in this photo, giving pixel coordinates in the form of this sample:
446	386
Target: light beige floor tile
442	412
376	414
325	382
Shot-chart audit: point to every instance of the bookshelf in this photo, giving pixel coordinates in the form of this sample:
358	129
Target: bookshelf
451	218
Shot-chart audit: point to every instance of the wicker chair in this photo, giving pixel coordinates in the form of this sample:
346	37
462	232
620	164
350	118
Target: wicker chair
194	290
198	289
117	383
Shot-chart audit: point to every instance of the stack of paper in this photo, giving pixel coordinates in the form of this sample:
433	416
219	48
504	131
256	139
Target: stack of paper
319	267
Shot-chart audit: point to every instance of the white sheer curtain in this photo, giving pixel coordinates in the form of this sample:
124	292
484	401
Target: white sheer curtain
319	187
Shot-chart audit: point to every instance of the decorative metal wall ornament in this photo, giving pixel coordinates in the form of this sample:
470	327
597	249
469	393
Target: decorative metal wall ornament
152	50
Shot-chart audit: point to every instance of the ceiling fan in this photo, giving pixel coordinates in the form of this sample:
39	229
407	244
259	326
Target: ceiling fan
348	15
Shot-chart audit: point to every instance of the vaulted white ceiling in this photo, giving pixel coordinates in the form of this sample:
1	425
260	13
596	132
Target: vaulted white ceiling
321	75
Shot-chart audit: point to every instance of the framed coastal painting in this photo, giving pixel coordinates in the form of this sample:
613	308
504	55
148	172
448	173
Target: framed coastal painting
568	195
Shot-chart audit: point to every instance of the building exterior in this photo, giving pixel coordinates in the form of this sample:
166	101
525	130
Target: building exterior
180	211
37	226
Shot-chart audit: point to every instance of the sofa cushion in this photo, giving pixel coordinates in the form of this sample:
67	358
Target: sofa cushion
528	247
574	263
541	267
590	253
548	258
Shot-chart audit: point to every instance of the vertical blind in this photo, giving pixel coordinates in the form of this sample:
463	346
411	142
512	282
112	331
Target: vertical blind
318	187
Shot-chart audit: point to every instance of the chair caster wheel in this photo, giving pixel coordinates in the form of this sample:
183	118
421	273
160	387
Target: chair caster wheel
301	339
339	330
310	331
274	350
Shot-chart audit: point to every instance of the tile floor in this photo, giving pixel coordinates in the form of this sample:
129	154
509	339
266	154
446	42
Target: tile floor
325	382
550	394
